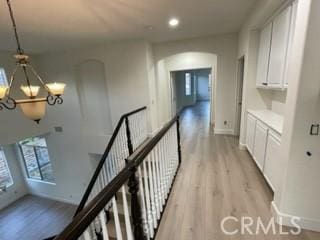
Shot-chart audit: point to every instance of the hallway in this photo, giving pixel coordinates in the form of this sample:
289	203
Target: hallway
216	180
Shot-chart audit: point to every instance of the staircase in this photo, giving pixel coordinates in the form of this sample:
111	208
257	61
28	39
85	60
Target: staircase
129	190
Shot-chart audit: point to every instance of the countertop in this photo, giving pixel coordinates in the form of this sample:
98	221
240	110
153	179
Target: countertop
270	118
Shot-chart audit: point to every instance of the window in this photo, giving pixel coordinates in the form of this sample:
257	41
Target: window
188	84
36	158
5	175
3	78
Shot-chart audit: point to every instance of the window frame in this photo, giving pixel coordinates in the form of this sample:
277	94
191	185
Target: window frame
188	90
39	166
6	162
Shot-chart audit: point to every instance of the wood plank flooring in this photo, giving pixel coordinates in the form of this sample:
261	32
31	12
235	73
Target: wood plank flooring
216	180
34	218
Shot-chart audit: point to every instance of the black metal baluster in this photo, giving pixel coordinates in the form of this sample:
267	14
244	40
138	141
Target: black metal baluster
178	139
129	142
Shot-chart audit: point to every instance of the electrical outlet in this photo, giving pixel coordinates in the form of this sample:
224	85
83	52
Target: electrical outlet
314	131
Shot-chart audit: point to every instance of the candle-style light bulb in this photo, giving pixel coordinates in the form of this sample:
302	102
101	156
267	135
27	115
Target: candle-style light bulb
56	88
3	91
30	91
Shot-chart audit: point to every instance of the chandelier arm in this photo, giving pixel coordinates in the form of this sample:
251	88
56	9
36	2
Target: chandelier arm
38	77
12	79
54	99
19	50
27	78
9	104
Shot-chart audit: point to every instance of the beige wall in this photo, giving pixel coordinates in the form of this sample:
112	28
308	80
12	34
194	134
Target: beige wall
127	87
217	52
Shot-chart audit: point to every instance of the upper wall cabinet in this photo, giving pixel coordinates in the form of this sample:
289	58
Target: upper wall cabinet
274	51
264	54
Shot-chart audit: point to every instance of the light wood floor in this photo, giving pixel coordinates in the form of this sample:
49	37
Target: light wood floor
34	218
216	180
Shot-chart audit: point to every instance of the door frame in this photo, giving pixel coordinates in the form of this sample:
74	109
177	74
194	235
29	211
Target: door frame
212	83
239	94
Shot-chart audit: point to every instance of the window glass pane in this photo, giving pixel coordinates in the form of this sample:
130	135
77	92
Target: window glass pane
5	175
45	164
37	160
3	78
30	160
188	84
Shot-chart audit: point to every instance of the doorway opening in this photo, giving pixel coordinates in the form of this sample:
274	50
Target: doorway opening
241	62
190	87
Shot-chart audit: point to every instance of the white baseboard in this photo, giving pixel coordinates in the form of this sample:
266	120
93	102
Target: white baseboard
242	146
224	131
54	198
305	223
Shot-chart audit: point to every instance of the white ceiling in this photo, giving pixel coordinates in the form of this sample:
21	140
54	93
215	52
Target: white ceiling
59	24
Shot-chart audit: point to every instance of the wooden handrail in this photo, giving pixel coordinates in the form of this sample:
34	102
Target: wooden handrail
80	223
103	159
85	217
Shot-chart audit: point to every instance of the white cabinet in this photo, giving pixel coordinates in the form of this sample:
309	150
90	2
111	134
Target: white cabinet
279	47
263	143
274	50
251	128
272	168
291	35
263	58
260	142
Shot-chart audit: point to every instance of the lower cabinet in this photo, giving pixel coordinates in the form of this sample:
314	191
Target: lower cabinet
260	142
251	128
272	169
264	146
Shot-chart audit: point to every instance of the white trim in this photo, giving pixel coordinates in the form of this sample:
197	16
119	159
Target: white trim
224	131
242	146
40	181
42	195
305	223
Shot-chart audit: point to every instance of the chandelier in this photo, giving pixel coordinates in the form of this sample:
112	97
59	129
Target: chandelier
32	106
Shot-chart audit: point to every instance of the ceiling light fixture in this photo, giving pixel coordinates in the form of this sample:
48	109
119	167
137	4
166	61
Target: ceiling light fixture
33	107
173	22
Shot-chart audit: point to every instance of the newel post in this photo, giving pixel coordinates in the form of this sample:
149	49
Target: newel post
137	220
178	138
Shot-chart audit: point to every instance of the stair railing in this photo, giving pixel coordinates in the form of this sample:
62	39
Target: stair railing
149	175
129	134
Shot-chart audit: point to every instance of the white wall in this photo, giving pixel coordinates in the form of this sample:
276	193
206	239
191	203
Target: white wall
126	88
182	99
300	195
203	92
217	52
248	45
19	188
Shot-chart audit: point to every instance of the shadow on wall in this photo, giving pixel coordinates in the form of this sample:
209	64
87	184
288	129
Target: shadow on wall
93	96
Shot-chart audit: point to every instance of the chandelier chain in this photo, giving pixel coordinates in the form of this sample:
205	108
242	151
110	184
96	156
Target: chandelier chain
19	50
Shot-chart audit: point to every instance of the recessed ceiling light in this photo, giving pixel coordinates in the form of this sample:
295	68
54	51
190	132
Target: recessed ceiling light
173	22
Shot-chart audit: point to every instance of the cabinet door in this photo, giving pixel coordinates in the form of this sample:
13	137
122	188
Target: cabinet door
272	166
251	128
260	142
263	58
291	35
279	46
